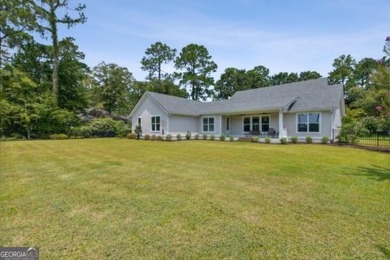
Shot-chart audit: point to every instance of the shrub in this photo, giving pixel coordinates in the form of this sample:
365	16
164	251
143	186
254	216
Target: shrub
58	136
101	127
350	132
62	136
121	128
268	140
196	137
283	140
159	138
255	139
204	136
222	137
131	136
153	138
309	139
169	137
231	138
138	131
212	137
188	135
325	140
147	137
16	136
178	137
294	139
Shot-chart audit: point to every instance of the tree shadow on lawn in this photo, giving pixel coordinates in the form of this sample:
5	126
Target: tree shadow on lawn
384	250
377	173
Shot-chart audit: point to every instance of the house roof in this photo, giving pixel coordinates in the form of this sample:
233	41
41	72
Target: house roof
307	95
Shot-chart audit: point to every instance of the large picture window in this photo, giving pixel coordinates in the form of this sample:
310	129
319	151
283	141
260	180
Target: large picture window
309	122
256	123
208	124
155	123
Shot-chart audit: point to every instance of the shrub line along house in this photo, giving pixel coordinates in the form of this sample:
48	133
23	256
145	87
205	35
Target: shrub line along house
307	108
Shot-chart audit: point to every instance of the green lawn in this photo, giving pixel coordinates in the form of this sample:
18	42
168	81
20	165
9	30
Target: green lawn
118	198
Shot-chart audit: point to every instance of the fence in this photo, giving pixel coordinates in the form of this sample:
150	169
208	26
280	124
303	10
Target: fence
374	140
370	140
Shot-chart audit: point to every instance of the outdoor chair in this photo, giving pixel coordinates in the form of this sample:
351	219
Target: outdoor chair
271	132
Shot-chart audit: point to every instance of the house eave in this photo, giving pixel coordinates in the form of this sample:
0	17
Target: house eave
239	112
312	110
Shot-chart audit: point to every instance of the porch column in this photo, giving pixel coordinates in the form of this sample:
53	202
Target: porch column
280	123
220	125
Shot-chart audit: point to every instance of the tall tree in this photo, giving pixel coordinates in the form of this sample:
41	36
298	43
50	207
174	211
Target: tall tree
343	70
197	65
16	18
50	14
258	77
112	88
363	71
72	73
33	58
306	75
157	55
230	81
284	78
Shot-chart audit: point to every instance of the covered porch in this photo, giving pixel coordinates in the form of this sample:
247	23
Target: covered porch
261	124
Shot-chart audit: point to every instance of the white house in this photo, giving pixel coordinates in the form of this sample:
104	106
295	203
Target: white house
307	108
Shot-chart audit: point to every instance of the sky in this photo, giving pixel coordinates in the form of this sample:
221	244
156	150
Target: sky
282	35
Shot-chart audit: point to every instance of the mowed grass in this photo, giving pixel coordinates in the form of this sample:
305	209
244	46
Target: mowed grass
128	199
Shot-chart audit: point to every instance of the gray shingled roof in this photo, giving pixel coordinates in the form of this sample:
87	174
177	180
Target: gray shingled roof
299	96
176	105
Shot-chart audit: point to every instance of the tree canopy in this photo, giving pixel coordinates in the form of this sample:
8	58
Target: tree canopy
196	65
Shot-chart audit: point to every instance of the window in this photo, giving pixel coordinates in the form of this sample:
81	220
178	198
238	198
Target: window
208	124
139	120
247	124
155	123
255	123
227	123
302	123
264	123
309	122
314	122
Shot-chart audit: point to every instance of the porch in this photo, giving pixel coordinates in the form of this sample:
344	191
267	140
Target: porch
262	125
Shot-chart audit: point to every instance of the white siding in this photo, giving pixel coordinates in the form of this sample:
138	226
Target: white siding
236	125
336	119
182	124
145	110
274	121
290	123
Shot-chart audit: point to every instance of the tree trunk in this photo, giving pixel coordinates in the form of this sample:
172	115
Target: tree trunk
54	36
1	50
28	132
